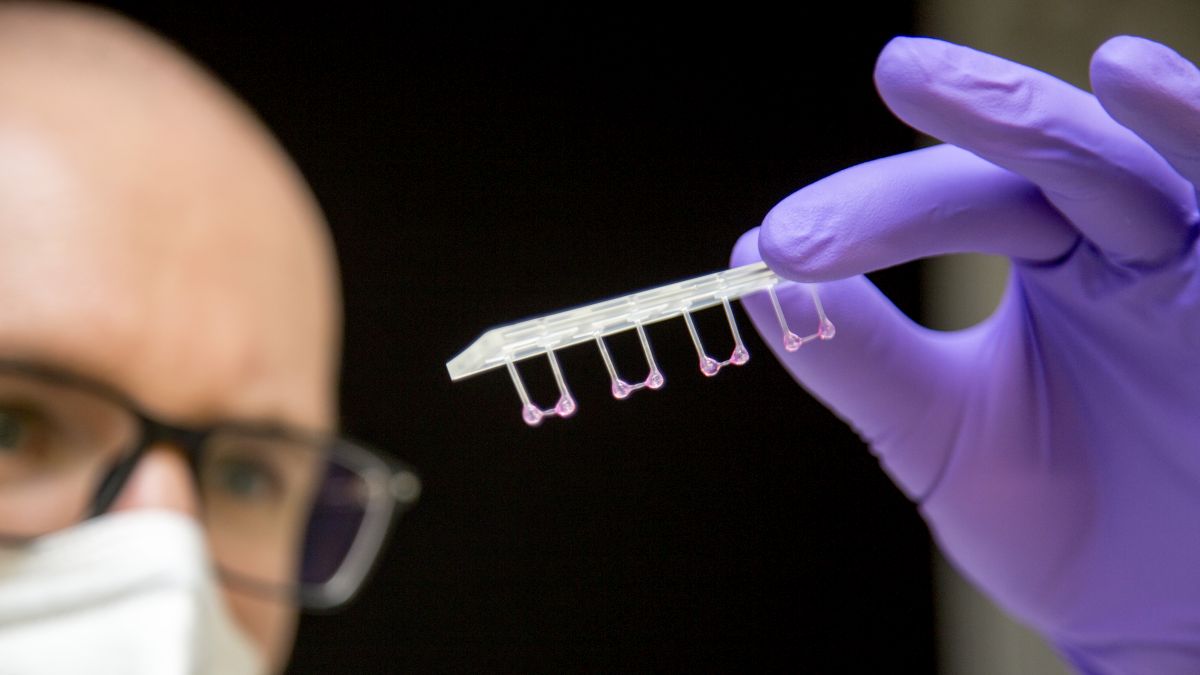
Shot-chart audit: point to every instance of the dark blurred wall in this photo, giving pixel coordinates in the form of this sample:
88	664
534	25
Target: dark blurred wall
482	165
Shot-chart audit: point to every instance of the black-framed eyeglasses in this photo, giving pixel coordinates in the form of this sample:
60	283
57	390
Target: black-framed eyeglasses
288	512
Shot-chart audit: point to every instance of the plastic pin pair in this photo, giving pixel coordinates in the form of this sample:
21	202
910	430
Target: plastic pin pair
505	345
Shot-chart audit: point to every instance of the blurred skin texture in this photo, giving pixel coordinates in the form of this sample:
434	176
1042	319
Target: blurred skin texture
156	237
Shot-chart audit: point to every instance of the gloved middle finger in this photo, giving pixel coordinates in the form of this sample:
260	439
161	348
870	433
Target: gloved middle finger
1109	183
1155	92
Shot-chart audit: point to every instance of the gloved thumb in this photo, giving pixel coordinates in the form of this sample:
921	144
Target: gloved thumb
900	385
882	374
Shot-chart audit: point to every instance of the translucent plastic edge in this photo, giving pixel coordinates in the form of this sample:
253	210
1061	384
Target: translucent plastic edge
532	337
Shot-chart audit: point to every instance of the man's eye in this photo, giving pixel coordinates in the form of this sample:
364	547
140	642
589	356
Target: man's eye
246	478
14	430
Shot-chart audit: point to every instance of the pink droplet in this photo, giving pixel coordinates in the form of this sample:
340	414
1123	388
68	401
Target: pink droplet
621	389
791	341
565	406
826	330
655	380
709	366
739	356
532	415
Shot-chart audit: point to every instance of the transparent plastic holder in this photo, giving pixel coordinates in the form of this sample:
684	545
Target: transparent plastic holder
504	346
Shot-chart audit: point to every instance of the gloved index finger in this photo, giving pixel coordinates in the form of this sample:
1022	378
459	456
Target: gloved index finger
1109	183
918	204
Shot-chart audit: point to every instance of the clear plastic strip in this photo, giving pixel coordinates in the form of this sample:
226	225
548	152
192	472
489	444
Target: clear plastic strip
533	337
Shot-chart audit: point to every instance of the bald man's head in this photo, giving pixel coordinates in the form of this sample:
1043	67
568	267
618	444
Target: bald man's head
157	238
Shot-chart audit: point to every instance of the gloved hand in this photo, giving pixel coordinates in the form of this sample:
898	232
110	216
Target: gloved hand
1053	449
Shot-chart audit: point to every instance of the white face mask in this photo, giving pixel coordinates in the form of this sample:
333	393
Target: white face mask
130	592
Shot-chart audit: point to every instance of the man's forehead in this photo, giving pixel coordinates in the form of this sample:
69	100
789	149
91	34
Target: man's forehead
161	241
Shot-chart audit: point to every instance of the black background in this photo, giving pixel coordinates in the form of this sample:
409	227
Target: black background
483	165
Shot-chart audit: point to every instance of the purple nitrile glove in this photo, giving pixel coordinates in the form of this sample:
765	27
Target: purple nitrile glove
1054	449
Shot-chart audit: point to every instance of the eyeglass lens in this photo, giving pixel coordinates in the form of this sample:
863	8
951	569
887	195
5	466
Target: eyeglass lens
280	512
